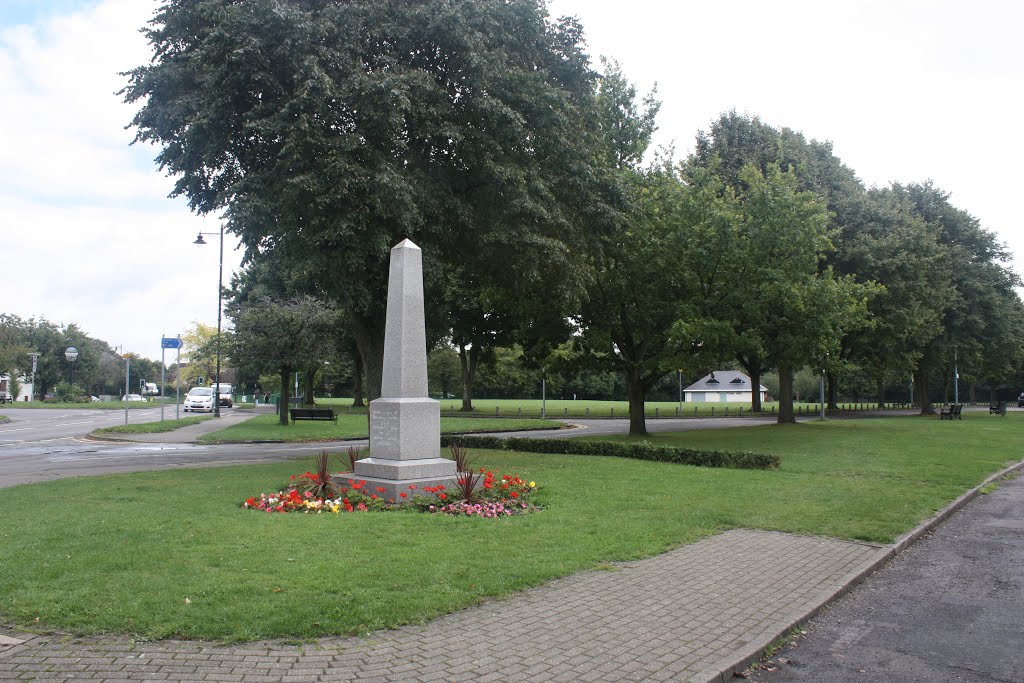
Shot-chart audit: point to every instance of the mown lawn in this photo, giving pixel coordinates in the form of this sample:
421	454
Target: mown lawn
353	425
171	553
154	427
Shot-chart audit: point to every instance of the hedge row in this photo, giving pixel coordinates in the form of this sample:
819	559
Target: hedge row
640	450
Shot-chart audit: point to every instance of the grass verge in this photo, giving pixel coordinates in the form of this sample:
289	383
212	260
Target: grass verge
124	552
154	427
354	425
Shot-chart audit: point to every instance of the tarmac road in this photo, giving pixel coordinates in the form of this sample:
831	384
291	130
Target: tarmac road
949	608
43	445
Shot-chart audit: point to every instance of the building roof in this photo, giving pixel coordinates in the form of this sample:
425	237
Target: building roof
723	380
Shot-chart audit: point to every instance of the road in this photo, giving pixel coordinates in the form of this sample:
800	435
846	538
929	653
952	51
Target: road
43	445
47	444
949	608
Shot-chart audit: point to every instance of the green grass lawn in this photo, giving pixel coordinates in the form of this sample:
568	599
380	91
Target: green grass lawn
122	553
353	425
154	427
561	408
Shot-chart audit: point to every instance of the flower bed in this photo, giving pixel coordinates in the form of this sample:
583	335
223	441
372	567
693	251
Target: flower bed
478	494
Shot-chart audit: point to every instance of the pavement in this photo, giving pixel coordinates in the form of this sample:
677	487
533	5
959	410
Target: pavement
950	608
697	613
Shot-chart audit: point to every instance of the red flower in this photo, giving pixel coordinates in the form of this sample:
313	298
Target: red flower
412	487
515	495
373	496
402	495
443	496
250	502
381	489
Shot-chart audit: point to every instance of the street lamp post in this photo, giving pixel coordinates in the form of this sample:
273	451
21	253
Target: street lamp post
71	353
35	359
220	274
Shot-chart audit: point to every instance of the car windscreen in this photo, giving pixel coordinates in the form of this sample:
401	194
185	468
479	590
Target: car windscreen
200	391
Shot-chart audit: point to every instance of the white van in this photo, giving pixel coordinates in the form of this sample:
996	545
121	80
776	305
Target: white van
223	392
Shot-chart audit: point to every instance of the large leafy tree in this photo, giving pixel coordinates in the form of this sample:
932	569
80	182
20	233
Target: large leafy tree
785	310
980	299
330	130
284	335
902	253
735	141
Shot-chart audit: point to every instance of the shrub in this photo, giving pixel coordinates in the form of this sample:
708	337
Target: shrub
641	450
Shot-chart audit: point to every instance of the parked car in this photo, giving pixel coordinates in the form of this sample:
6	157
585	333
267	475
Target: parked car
132	397
199	399
1020	400
94	399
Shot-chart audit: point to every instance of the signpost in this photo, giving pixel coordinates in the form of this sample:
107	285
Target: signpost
169	343
127	373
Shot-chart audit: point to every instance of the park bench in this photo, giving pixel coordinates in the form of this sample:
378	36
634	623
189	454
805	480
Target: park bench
997	408
313	414
951	413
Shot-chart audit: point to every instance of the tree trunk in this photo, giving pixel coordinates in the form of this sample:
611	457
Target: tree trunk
786	414
357	381
755	387
308	398
972	393
921	391
637	394
833	391
469	360
283	403
880	387
753	368
369	335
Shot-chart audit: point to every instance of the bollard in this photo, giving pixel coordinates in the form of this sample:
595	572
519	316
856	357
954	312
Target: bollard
496	409
712	411
613	412
677	411
586	412
727	411
566	412
520	411
656	411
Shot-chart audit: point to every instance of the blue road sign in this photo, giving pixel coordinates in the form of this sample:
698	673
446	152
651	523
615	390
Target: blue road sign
169	343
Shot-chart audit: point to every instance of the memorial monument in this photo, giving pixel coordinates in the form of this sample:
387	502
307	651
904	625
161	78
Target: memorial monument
405	424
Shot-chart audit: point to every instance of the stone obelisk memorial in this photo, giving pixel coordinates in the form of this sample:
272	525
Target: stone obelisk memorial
405	424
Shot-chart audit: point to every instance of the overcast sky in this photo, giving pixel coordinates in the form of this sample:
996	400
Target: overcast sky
906	90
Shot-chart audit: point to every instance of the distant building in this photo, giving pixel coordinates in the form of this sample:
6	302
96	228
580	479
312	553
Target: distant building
24	393
722	386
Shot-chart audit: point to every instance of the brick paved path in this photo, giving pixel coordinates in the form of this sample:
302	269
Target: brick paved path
688	614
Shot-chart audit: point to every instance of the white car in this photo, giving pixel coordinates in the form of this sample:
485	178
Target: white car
132	397
199	399
224	391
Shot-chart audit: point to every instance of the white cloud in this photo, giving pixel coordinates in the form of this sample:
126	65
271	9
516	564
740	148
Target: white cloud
85	215
906	91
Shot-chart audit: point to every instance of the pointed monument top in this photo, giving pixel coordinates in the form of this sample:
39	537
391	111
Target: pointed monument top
405	244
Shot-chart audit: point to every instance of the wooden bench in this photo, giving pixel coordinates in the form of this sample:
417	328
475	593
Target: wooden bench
312	414
952	412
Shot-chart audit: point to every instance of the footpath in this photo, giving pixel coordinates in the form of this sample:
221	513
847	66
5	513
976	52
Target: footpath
697	613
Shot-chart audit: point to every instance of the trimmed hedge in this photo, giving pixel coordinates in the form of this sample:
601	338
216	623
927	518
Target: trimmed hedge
640	450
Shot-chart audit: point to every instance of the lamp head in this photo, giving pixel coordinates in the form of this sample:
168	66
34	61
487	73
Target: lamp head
199	239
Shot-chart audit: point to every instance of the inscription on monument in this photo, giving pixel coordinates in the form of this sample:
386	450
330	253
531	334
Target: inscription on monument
384	432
